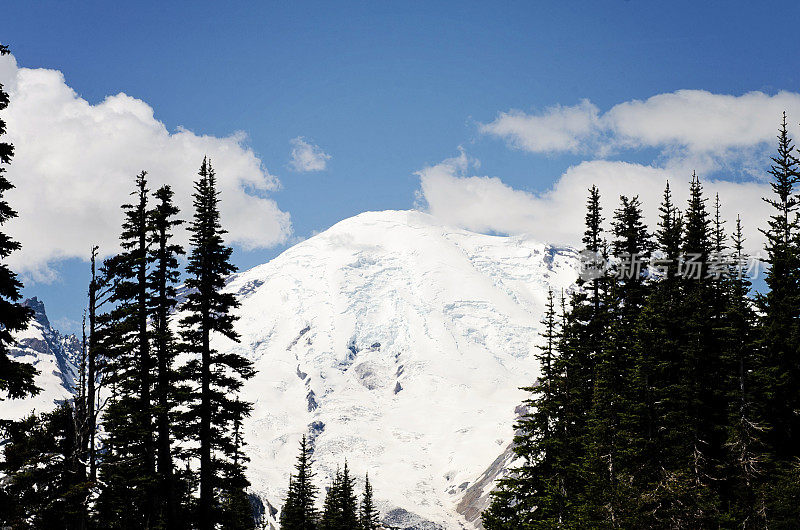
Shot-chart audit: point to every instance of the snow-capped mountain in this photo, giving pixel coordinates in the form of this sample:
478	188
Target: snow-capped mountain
55	356
392	341
398	344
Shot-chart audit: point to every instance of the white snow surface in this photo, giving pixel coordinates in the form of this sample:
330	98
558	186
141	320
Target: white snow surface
53	355
398	344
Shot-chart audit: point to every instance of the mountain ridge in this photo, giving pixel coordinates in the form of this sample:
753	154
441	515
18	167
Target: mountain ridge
53	353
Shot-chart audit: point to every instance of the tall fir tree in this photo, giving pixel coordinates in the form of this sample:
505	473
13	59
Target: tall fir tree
16	378
612	460
658	336
129	473
549	488
700	371
330	518
299	511
780	306
163	257
580	348
746	455
369	518
779	336
532	493
217	376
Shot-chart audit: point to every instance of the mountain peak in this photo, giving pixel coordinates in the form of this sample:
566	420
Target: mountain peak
39	313
357	331
54	356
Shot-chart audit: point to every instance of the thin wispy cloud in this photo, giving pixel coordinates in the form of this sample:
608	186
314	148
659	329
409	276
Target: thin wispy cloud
307	157
555	129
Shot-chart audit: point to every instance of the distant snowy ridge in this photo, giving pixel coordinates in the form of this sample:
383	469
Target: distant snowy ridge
398	343
54	354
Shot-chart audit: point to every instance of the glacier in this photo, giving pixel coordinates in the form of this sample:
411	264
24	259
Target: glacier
399	344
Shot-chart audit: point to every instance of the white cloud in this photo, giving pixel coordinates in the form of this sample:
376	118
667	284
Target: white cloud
75	163
691	128
307	157
700	121
486	204
67	325
558	128
715	134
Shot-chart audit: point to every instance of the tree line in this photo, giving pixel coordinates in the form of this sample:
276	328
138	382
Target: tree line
669	394
153	436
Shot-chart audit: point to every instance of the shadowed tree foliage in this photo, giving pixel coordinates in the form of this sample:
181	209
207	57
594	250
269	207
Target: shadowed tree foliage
161	281
16	378
213	408
299	511
670	398
128	468
340	511
41	487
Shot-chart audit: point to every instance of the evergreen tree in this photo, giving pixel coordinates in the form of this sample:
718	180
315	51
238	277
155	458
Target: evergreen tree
236	509
779	333
745	437
349	500
341	504
41	488
16	378
658	334
368	516
613	446
331	515
217	376
583	337
780	306
549	488
299	512
129	473
700	376
161	302
532	492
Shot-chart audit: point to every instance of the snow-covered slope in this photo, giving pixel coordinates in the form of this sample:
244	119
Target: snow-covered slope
398	344
391	341
53	354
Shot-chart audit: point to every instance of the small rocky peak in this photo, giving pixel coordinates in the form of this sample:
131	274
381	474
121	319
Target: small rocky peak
38	311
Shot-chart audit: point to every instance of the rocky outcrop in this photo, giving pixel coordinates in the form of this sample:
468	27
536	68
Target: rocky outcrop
477	497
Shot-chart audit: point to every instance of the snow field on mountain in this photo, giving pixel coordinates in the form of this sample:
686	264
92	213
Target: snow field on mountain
398	344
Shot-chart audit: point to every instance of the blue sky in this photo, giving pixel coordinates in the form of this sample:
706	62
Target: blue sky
389	88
